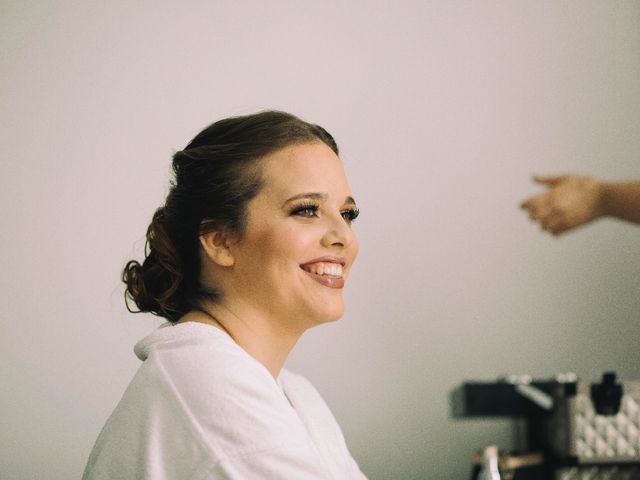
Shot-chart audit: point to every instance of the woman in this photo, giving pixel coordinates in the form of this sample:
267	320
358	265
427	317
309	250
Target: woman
252	247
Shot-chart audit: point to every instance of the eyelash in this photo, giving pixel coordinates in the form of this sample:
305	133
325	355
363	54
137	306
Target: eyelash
350	214
311	210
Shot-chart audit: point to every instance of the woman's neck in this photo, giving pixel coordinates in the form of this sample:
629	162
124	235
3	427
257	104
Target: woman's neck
259	337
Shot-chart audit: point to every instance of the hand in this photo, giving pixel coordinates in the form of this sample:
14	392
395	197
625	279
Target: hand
571	200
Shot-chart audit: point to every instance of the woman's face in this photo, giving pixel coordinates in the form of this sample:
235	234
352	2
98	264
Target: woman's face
295	254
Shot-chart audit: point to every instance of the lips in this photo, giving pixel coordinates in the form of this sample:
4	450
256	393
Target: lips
327	271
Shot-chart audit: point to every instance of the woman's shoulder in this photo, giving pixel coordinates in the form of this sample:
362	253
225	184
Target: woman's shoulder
199	374
203	360
201	399
183	338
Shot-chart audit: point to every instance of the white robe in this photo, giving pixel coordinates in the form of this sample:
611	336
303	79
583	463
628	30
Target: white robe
200	407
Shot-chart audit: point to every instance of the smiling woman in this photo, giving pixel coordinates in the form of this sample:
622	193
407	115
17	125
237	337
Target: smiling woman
252	247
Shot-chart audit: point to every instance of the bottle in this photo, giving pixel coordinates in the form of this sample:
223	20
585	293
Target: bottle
489	470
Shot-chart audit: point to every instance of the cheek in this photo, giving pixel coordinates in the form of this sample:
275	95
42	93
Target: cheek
282	246
294	244
355	248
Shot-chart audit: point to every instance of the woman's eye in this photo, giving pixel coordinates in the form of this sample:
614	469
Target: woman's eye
306	211
350	215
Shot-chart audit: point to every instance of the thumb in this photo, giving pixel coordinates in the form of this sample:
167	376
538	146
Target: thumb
549	181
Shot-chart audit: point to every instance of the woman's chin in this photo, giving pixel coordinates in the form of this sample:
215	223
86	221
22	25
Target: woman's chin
330	315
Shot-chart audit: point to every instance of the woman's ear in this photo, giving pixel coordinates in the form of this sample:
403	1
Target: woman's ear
216	245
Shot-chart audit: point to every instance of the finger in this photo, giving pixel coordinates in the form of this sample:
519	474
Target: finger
555	225
549	181
558	230
540	214
526	205
537	202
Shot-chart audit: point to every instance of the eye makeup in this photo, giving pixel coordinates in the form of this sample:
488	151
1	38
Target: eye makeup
350	214
307	205
305	210
309	210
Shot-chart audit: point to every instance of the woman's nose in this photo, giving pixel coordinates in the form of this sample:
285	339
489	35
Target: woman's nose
338	233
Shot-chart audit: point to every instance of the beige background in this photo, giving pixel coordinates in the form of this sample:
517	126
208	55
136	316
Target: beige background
443	111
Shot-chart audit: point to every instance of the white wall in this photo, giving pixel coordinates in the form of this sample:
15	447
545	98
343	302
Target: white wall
443	110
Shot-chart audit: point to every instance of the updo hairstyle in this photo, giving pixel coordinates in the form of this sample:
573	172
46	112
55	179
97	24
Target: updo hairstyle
214	178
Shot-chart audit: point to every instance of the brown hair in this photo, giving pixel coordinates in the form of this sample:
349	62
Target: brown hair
214	178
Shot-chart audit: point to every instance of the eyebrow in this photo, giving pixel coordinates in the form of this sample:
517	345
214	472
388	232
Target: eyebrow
316	196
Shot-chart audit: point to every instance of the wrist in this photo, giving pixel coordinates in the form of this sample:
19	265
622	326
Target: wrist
604	198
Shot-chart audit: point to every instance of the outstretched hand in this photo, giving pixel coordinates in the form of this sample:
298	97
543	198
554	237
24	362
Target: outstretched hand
570	201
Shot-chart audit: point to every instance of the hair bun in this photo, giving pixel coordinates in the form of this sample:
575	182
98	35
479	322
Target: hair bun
152	285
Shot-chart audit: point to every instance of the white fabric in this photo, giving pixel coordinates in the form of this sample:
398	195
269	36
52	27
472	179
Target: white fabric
200	408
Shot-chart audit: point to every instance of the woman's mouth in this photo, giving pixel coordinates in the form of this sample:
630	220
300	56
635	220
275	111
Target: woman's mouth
328	274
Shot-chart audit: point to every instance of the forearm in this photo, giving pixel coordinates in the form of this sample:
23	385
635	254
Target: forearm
622	200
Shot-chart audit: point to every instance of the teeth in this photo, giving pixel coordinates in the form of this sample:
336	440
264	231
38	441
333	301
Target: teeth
328	269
